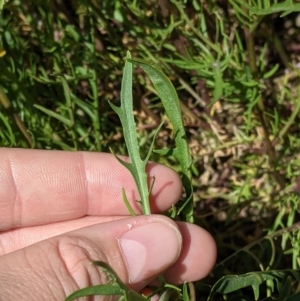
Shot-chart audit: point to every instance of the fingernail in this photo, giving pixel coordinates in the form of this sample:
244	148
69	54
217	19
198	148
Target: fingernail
149	249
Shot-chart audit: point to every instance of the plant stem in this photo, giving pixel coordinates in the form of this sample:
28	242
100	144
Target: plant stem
260	108
5	102
202	37
289	122
94	86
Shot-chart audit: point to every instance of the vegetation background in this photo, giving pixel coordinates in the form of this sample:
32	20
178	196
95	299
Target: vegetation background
235	65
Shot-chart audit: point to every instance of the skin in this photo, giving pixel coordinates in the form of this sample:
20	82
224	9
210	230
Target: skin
60	210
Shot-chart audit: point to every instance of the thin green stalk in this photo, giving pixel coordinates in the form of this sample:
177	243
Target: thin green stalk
280	50
201	36
260	107
288	124
5	102
96	118
94	86
70	109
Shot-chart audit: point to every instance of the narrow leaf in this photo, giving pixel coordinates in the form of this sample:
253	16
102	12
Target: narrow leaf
137	166
129	294
152	143
50	113
167	93
232	283
125	200
106	289
114	287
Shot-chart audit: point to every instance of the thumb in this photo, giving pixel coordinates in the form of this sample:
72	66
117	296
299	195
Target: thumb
138	249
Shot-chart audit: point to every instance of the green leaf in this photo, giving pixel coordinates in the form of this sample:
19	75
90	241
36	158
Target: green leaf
167	93
286	7
137	166
232	283
125	200
271	72
50	113
105	289
114	287
219	84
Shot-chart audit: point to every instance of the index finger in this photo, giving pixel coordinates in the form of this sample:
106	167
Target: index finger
39	187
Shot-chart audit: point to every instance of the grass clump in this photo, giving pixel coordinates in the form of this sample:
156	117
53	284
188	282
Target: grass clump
235	68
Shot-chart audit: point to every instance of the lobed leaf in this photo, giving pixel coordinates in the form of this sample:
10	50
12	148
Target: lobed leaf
232	283
137	166
167	93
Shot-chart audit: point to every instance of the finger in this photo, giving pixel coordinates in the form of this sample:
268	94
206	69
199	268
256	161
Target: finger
196	260
39	187
19	238
197	257
54	268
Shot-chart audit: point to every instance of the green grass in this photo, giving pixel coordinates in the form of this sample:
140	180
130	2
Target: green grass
234	69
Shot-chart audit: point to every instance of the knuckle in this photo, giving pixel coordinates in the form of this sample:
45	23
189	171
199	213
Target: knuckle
76	254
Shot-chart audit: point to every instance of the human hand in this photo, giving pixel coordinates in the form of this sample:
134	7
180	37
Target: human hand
61	210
